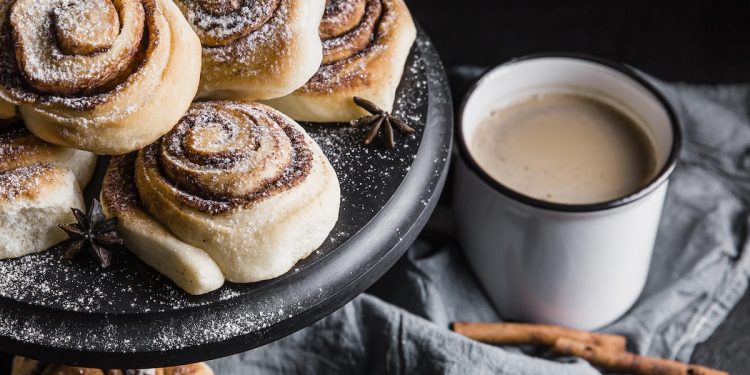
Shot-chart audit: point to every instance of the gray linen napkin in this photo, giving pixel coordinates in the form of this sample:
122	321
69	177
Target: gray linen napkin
699	272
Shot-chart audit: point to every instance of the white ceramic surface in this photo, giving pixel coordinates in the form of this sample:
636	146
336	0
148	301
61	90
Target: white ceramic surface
580	266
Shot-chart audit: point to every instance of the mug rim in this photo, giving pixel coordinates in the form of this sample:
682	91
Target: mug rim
654	183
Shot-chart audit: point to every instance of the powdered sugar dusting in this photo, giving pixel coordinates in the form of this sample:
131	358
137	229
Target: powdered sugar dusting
50	280
42	26
131	308
42	74
337	11
24	180
361	168
348	58
262	51
221	29
346	34
274	158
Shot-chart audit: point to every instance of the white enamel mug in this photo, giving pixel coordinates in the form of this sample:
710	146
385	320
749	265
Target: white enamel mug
576	265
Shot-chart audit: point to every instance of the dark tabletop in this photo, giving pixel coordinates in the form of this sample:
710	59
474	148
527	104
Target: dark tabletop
692	41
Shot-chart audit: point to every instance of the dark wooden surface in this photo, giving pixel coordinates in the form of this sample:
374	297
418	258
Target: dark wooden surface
706	42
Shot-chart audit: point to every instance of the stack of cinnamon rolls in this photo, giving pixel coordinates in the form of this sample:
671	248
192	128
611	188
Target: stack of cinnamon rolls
211	177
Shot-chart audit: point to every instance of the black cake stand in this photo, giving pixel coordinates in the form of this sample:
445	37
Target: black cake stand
129	316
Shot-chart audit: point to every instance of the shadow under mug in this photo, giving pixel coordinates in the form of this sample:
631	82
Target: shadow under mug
575	265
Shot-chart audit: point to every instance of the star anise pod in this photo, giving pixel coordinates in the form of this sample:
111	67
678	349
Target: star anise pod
379	119
93	234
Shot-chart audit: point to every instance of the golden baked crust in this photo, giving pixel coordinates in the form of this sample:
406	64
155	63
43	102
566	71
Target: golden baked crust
255	49
235	190
25	366
107	76
364	59
29	182
19	148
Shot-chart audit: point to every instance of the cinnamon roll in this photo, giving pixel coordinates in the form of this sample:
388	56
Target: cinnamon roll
255	49
235	191
39	183
365	46
25	366
107	76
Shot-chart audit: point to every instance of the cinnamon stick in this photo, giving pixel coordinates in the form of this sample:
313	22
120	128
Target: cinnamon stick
535	334
624	362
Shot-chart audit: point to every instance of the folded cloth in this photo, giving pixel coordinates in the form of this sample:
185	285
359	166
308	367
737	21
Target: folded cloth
699	272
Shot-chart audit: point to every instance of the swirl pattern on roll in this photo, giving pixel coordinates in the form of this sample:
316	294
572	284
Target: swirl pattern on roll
255	49
365	45
236	191
65	48
71	51
221	22
222	156
348	27
79	68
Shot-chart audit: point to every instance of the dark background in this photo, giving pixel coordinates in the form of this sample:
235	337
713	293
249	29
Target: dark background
706	42
701	42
